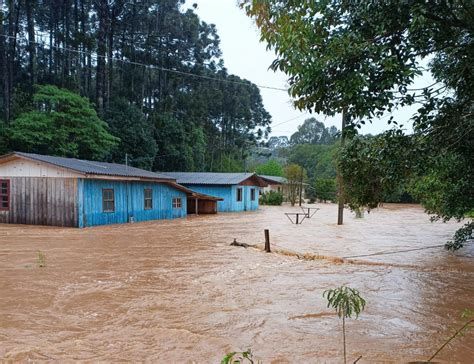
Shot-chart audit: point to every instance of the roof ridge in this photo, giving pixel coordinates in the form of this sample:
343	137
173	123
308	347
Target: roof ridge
94	167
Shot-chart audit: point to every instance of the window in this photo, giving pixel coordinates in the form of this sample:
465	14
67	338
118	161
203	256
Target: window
4	194
239	194
252	194
108	200
176	203
148	194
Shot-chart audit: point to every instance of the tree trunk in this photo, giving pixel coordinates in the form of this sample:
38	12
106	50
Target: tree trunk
67	44
4	61
12	32
30	25
113	14
340	210
344	338
301	186
102	11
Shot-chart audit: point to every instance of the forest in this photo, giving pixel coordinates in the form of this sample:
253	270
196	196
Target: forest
109	80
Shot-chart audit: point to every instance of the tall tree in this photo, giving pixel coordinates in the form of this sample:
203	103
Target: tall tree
63	124
313	131
341	56
145	53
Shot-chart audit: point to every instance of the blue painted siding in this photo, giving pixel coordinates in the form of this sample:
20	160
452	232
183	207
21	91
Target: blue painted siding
129	202
229	194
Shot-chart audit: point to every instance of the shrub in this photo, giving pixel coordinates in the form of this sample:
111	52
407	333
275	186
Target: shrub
272	198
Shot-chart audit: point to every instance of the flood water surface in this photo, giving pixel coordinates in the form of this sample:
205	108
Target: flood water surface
176	291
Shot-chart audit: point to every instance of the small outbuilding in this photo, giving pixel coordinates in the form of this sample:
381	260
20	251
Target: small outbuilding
274	183
238	191
47	190
279	184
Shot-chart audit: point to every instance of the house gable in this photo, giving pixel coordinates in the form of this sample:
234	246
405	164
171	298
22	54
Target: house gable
22	167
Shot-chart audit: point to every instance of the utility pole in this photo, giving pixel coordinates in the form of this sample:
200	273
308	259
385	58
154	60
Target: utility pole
340	210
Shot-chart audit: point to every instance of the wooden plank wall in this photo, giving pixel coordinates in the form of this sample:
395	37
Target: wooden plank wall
42	201
129	202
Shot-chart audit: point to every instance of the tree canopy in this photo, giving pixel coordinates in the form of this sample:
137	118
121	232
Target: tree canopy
270	168
62	123
361	59
143	65
313	131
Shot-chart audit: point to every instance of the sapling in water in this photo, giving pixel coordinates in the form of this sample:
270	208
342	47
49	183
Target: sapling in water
347	302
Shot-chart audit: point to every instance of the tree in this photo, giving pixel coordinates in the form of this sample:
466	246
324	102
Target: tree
295	175
375	167
346	302
313	131
155	55
278	142
270	168
63	124
181	146
136	134
324	189
318	160
361	60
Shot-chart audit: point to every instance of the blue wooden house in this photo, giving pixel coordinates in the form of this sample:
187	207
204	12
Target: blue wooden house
45	190
238	191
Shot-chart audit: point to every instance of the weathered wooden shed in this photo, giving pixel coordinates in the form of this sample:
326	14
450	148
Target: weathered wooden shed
46	190
238	191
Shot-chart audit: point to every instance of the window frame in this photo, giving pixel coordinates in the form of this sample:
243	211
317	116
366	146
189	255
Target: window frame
2	208
104	200
176	203
252	194
240	194
149	198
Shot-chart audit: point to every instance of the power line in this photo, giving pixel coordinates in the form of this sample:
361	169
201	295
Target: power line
148	66
287	121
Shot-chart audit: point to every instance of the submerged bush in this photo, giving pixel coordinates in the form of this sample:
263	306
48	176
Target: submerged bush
272	198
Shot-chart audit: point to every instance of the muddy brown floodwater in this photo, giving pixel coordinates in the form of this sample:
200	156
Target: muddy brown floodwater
175	291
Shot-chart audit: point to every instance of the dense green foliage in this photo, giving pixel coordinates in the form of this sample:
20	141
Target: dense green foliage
127	122
62	123
323	189
374	167
136	62
318	160
341	56
271	198
270	168
313	131
314	147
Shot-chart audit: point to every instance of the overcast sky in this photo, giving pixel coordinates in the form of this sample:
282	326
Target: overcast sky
245	56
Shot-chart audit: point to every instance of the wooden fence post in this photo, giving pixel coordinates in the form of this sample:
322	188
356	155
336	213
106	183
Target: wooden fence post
267	241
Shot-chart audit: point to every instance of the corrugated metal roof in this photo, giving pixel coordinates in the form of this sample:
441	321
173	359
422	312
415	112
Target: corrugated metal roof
209	178
273	178
93	167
